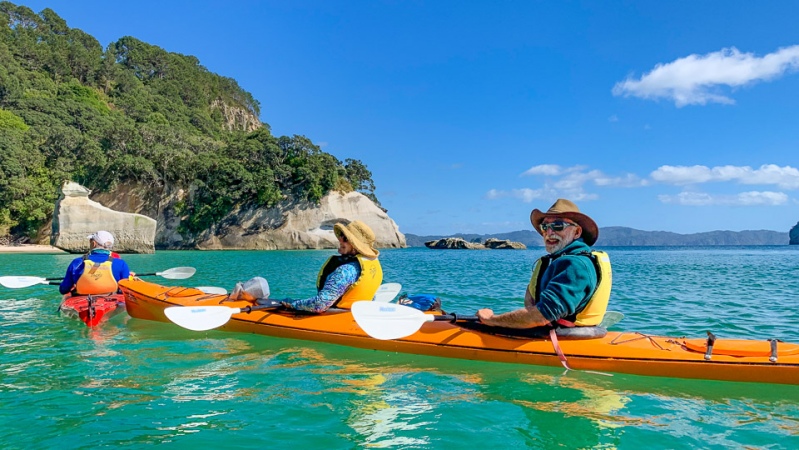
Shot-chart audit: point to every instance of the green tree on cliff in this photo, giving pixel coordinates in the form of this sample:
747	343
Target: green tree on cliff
136	113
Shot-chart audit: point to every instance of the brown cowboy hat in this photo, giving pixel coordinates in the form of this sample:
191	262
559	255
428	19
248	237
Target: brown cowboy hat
568	210
360	236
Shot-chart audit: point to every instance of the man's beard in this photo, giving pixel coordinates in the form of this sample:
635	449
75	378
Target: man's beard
554	248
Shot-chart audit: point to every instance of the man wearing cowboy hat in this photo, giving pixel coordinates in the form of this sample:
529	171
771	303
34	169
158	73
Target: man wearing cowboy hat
564	282
355	274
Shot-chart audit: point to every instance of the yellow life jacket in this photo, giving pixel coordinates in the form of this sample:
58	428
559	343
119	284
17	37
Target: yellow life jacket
97	278
364	288
594	311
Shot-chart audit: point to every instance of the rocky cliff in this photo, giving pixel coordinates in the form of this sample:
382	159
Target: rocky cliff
290	225
302	225
793	235
76	217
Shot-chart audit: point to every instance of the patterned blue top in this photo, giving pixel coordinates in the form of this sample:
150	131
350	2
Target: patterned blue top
335	286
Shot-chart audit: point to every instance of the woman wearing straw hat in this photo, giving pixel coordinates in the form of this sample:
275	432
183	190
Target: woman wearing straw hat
355	274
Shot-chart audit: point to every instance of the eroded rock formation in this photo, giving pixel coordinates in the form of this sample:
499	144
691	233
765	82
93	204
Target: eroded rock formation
453	244
456	243
302	225
289	225
504	244
76	217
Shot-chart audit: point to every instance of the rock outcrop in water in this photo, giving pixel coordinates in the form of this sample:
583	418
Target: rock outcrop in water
504	244
793	235
454	243
77	217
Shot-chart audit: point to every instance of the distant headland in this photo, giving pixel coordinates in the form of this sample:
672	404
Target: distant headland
623	236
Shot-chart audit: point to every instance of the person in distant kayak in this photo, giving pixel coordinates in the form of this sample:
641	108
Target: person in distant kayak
570	286
96	272
355	274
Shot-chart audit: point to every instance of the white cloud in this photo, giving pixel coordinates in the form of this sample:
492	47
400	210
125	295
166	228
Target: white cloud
544	169
494	194
526	195
697	79
574	182
570	183
752	198
627	180
768	174
613	118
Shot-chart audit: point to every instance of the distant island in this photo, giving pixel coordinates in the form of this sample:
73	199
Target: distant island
627	237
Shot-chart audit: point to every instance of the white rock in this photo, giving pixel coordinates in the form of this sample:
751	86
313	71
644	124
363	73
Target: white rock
76	217
306	226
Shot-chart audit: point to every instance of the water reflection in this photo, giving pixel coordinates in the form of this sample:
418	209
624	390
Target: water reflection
600	405
380	414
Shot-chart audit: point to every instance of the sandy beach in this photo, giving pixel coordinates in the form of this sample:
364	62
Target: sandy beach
30	248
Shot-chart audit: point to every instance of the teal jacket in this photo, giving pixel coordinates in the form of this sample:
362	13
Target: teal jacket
567	283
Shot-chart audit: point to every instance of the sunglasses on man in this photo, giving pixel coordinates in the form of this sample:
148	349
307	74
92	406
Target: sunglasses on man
556	226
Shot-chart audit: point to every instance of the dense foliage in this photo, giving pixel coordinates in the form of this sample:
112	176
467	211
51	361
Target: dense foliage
133	112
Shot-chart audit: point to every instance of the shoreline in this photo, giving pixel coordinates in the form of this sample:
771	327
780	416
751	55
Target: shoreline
31	248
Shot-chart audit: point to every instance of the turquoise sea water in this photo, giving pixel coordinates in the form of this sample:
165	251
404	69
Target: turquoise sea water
132	383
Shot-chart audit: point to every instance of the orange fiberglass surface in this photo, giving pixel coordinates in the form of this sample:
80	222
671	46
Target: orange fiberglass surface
622	352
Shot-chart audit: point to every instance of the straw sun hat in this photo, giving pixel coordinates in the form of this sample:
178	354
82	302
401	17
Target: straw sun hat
567	210
360	236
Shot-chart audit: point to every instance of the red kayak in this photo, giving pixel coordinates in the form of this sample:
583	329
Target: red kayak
92	309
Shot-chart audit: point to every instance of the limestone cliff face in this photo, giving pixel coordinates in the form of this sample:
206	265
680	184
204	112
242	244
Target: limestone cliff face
289	225
236	118
794	234
302	225
76	217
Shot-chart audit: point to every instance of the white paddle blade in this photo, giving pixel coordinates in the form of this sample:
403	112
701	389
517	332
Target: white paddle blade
388	321
212	290
177	273
200	318
611	318
386	292
21	282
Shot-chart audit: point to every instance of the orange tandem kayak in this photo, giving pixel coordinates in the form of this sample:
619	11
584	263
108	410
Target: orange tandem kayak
622	352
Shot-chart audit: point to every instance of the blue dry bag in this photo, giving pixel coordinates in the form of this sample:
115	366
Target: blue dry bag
422	302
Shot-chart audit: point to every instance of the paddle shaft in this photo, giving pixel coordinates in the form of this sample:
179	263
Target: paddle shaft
56	279
152	274
454	317
250	309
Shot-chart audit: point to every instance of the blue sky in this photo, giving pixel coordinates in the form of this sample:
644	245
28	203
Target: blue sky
675	116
